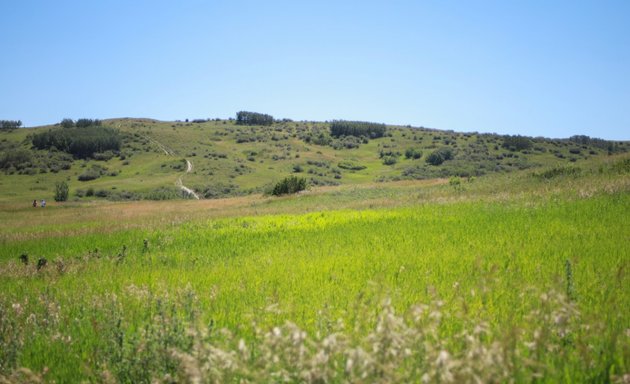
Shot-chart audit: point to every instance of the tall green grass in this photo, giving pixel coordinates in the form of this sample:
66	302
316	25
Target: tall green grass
102	298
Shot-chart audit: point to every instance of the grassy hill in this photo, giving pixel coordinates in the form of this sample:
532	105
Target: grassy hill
230	159
407	272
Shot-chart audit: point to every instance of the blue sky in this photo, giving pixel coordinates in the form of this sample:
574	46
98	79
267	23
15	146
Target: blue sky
540	68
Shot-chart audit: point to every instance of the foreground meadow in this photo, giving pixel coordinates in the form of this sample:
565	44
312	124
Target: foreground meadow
514	278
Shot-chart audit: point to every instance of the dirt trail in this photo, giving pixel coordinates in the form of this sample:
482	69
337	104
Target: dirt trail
180	184
189	167
166	150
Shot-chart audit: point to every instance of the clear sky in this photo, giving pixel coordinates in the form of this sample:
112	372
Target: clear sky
536	67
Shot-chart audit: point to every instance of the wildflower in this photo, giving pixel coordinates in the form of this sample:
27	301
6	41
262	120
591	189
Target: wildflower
17	307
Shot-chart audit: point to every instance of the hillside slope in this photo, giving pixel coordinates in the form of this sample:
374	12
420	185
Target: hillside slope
230	159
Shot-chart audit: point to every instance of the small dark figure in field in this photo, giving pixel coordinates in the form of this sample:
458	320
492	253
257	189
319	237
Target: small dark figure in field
121	255
34	203
41	263
24	258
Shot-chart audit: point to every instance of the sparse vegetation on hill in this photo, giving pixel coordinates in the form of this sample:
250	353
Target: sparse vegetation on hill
234	160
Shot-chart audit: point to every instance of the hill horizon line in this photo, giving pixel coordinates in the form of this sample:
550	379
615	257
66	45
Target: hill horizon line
280	120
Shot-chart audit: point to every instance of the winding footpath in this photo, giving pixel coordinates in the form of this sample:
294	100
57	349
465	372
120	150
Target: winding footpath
189	167
180	184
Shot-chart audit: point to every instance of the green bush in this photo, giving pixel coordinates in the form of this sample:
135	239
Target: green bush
101	193
88	175
412	153
346	142
390	160
61	191
351	166
165	193
439	156
517	143
103	156
217	190
288	185
93	173
16	158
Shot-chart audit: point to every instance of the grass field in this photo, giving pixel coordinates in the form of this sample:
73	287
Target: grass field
511	277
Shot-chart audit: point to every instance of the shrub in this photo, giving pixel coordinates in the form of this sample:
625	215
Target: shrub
390	160
456	183
101	193
413	153
321	139
165	193
288	185
351	166
90	174
216	190
439	156
103	156
517	143
348	142
17	158
61	191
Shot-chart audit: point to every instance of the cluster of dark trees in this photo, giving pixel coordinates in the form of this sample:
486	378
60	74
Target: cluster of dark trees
291	184
594	141
357	128
80	123
81	142
253	118
439	156
7	125
517	142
